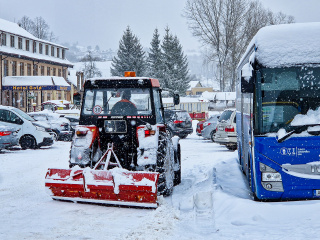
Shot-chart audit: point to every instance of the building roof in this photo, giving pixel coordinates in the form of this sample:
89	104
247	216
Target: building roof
13	28
193	84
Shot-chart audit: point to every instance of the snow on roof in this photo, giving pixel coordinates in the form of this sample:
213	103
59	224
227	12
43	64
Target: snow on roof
287	44
193	84
34	81
57	101
14	28
220	96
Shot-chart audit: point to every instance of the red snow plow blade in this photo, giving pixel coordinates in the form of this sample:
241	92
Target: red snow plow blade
116	186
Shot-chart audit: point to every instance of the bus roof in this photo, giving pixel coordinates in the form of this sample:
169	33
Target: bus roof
286	45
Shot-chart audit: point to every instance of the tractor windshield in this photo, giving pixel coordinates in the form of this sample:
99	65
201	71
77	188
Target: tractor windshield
121	101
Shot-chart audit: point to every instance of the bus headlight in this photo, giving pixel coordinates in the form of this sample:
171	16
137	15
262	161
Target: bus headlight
271	177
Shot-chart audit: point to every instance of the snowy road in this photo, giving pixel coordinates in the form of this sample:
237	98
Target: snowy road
212	202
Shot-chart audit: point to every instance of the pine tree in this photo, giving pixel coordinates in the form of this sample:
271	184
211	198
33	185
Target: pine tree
175	64
154	60
130	56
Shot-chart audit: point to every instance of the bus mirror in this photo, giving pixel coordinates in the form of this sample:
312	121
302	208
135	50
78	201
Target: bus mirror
176	99
247	85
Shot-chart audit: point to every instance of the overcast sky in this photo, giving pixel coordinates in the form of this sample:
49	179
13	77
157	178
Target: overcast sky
102	22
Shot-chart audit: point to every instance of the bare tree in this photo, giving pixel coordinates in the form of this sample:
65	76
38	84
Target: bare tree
226	27
90	69
37	27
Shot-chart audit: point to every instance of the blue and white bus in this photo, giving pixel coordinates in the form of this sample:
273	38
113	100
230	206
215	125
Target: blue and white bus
278	116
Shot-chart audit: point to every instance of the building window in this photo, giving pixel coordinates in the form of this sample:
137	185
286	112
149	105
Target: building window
48	71
52	51
59	95
64	73
47	50
5	68
58	52
20	43
59	72
35	70
15	99
40	48
63	54
34	46
14	68
12	41
4	39
29	69
42	70
21	69
27	45
53	71
48	96
21	99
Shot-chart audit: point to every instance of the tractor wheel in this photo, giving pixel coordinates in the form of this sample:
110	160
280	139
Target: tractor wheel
165	161
27	141
177	173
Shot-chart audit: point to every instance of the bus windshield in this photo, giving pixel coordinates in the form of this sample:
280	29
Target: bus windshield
282	93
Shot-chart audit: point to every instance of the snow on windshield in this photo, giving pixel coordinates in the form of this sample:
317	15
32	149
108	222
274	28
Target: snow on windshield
312	117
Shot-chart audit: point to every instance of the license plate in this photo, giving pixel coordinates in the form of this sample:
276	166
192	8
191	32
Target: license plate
221	128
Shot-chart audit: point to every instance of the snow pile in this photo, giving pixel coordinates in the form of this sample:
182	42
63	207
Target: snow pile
247	71
287	44
312	117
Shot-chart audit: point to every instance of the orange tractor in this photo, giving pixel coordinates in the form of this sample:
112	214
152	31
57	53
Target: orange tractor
121	153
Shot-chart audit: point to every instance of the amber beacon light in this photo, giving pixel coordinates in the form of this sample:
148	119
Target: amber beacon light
129	74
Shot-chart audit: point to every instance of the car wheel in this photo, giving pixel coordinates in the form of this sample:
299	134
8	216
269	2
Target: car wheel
27	141
212	135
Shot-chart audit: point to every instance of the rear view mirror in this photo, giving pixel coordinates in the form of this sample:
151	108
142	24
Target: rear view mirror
247	83
176	99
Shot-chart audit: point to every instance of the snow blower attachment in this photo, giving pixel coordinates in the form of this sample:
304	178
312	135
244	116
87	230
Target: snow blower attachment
116	186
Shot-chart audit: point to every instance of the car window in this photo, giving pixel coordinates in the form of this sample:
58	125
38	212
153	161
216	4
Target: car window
8	116
225	115
183	116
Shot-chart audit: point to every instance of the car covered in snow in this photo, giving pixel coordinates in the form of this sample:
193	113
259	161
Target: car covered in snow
59	124
31	134
226	133
8	137
179	122
210	125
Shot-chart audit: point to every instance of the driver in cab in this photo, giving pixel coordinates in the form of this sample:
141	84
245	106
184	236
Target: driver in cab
124	106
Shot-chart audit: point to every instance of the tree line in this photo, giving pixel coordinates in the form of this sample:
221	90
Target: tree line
226	27
165	60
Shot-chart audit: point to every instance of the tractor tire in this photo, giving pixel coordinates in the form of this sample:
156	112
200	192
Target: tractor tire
28	141
177	173
165	166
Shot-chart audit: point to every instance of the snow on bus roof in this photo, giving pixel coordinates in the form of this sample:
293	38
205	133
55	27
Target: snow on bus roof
287	44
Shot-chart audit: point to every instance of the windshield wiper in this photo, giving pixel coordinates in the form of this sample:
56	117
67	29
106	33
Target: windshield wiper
298	129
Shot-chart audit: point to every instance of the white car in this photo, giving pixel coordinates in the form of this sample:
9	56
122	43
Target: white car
226	131
59	124
30	133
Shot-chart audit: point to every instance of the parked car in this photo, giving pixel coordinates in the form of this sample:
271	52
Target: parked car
8	137
59	124
74	121
199	127
210	125
179	122
31	134
226	132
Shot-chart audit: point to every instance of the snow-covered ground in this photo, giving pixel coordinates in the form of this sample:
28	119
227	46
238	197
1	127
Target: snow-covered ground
212	202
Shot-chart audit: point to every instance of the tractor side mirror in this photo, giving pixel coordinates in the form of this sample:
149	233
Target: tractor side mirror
176	99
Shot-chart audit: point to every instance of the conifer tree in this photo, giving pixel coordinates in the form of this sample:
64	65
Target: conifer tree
154	60
130	56
175	64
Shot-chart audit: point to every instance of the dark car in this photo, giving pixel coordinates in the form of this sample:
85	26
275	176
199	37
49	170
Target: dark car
179	122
